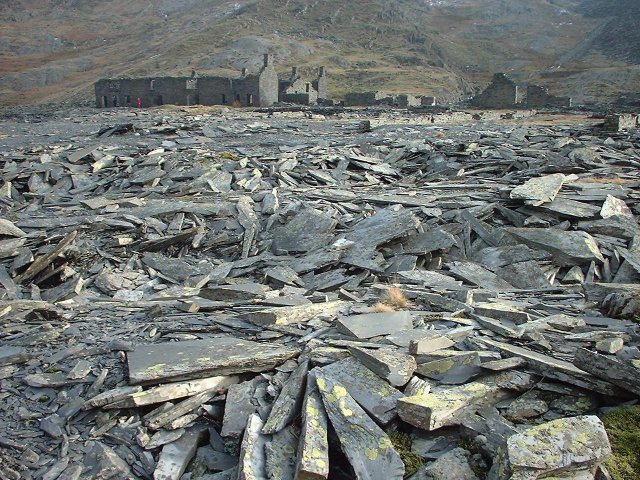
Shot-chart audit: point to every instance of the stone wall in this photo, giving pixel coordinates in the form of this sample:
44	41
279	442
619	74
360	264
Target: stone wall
363	99
259	89
501	93
617	123
366	99
539	96
405	100
297	90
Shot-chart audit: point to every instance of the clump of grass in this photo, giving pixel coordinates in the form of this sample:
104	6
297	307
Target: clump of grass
393	299
228	156
402	444
383	308
623	428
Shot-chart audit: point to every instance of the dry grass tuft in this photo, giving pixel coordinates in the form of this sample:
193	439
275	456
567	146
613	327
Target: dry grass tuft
383	308
394	299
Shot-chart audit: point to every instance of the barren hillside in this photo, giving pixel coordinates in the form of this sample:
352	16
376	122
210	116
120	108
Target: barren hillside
53	50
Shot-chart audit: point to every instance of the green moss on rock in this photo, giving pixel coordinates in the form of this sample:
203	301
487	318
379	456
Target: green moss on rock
402	444
623	428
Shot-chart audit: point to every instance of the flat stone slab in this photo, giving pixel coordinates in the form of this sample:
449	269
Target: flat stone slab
568	248
388	363
202	358
372	325
539	190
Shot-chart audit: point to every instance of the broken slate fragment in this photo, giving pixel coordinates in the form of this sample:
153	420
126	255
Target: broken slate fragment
308	230
313	448
252	464
568	248
539	190
444	407
163	362
287	405
388	363
373	394
613	206
364	443
175	456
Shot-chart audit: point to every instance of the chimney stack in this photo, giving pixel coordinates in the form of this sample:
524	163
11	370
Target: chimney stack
244	71
268	60
294	72
321	72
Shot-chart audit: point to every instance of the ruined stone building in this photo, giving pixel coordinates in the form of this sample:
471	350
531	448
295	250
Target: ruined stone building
298	90
503	92
401	100
249	90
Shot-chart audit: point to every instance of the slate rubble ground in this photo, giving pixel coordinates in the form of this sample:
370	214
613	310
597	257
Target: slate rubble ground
196	292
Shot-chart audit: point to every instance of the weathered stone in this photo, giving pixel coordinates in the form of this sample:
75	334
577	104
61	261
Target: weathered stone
429	344
175	456
313	448
502	311
496	257
103	462
610	345
454	464
612	370
173	391
388	363
551	367
539	190
476	275
444	407
553	448
364	443
374	324
308	230
373	394
238	408
452	370
294	315
613	206
252	465
568	248
287	405
199	358
280	453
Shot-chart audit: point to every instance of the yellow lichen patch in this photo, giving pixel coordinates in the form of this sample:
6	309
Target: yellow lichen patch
339	391
371	454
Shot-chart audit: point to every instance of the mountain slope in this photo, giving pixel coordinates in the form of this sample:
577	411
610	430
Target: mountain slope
55	49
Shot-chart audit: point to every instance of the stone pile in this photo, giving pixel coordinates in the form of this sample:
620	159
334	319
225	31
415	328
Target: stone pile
242	295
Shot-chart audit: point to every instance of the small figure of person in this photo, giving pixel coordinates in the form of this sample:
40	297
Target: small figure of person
139	102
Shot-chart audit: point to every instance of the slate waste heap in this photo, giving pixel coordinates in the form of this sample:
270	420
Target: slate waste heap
224	296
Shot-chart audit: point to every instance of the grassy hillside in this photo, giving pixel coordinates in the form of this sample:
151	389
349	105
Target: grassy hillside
55	49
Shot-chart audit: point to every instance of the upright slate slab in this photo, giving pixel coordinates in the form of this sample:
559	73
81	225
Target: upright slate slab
165	362
364	443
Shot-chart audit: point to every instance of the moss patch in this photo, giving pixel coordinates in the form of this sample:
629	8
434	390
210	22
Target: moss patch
402	444
473	448
623	428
